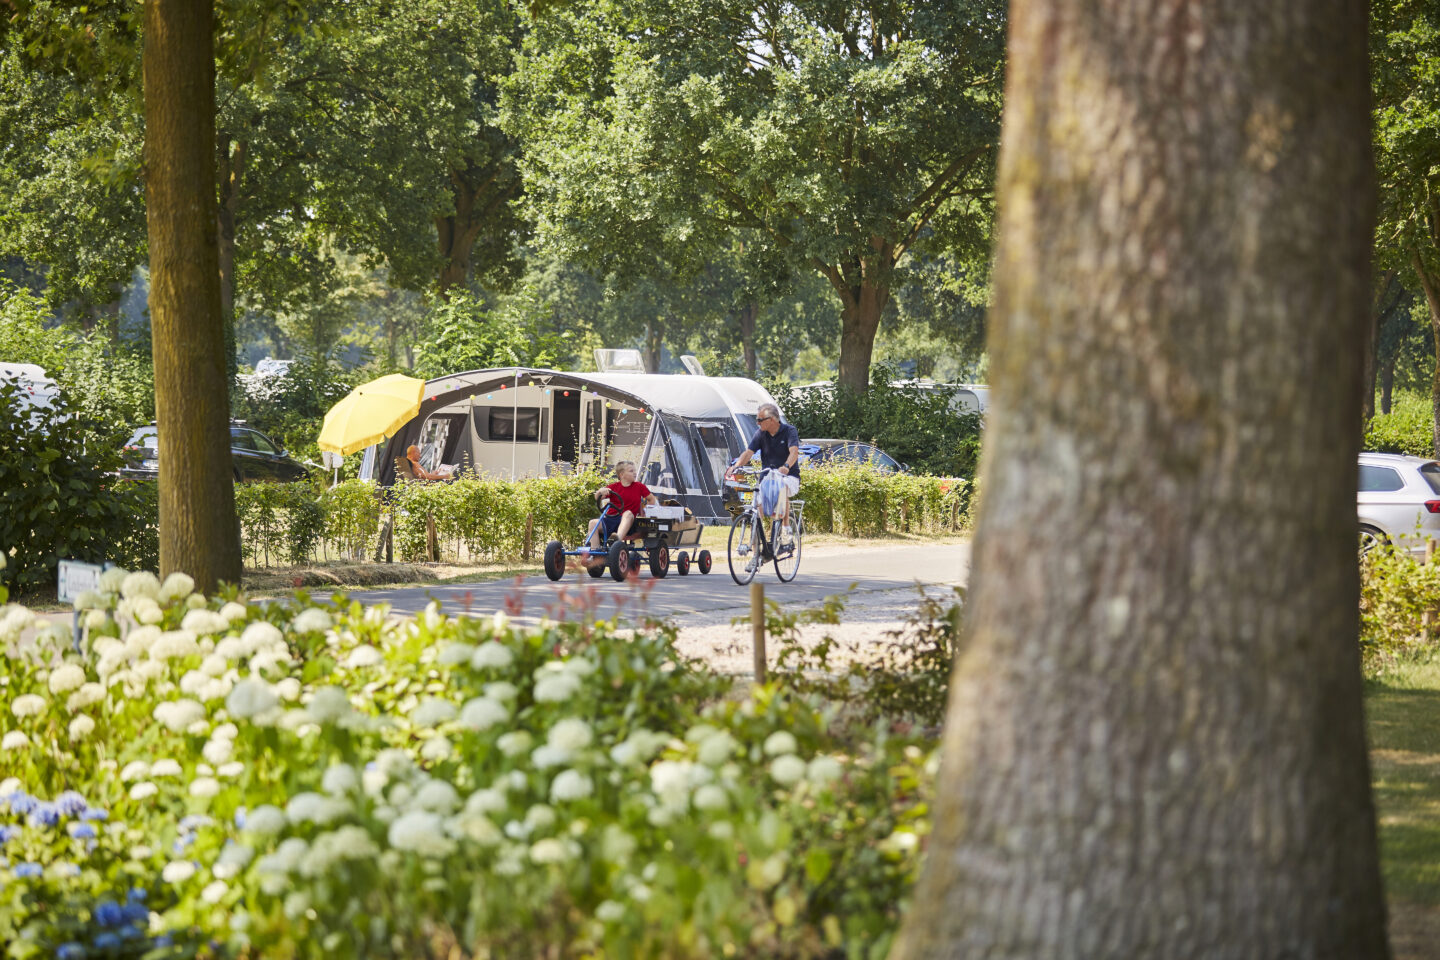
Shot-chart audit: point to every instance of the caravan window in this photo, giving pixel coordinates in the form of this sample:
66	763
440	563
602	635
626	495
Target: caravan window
717	449
521	424
686	457
626	434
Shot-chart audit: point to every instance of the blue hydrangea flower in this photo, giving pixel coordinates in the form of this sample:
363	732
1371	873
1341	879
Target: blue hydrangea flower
83	831
8	833
164	940
240	818
137	893
108	913
44	815
182	843
95	813
136	913
71	803
194	822
106	941
69	951
22	803
29	869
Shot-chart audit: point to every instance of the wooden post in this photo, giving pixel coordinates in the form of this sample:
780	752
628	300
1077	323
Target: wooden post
1427	619
432	543
757	628
529	536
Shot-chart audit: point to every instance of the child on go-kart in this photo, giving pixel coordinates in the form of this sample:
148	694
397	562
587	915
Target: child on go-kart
627	498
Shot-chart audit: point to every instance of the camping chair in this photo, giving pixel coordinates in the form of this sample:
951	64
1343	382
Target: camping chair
403	469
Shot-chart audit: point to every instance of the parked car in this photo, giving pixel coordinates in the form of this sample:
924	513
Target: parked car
1398	501
825	451
254	455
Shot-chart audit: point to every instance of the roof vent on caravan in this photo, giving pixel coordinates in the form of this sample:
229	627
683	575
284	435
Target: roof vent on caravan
692	366
619	361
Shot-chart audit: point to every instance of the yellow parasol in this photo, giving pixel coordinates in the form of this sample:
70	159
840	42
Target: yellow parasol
371	412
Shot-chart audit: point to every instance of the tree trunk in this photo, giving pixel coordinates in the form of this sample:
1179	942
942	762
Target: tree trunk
864	290
748	316
1431	286
654	347
1372	344
198	530
1154	745
229	208
1387	383
457	234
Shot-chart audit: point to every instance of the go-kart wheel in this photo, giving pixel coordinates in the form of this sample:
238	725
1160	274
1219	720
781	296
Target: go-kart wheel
659	561
704	561
682	563
554	560
619	561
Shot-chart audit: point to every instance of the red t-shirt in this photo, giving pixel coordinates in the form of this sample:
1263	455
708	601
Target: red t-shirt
630	498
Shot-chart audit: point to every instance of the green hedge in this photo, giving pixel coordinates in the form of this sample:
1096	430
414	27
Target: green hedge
857	501
1407	428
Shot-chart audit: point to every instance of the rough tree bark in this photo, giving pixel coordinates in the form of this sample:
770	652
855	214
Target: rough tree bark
198	532
1387	383
1155	744
748	316
654	346
1383	304
864	289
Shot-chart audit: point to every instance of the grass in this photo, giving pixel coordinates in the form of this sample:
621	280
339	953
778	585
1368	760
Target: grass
1403	709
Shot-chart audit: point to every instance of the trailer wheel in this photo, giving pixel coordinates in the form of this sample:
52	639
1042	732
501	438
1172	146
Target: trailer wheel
704	560
596	570
619	561
682	563
554	560
659	561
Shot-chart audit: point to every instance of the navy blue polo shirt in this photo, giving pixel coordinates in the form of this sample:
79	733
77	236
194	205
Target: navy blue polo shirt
774	451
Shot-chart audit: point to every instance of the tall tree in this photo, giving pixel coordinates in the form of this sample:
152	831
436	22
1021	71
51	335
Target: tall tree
1154	745
844	136
198	530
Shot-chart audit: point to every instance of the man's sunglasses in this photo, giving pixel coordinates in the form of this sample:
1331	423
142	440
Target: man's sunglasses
762	419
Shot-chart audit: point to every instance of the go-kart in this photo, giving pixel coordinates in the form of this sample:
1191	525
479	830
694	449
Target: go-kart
657	531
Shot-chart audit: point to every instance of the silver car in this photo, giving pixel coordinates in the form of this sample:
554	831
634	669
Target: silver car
1399	501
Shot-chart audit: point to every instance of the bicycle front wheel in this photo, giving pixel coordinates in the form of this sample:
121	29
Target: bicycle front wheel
786	541
744	551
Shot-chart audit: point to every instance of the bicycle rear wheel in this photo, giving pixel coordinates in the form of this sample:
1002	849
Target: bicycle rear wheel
787	539
744	552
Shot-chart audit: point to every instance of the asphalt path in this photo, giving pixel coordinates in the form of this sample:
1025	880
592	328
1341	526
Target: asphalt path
823	572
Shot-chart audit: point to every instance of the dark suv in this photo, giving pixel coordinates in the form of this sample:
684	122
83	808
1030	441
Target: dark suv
254	455
849	451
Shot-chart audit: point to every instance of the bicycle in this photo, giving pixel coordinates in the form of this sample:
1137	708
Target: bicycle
750	547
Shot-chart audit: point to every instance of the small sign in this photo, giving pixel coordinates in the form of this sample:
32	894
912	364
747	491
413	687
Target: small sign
76	577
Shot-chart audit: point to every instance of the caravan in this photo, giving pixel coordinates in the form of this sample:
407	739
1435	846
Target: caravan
515	422
37	390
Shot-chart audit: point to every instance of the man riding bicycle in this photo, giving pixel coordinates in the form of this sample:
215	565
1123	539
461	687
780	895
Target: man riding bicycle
778	444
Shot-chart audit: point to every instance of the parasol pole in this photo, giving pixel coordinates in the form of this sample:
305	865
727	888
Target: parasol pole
514	422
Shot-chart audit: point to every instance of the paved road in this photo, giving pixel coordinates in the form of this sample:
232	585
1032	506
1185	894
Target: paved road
822	573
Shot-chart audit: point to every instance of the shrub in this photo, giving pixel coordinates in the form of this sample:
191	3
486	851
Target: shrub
1396	592
326	781
352	516
1408	428
856	500
59	493
284	517
914	426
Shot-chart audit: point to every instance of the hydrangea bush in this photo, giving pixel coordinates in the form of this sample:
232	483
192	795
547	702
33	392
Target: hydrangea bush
211	777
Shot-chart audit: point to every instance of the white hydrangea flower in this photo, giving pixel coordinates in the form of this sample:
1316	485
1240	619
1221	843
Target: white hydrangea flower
91	600
177	871
475	827
491	656
572	733
364	656
721	830
204	787
251	697
177	586
823	770
143	790
346	843
81	727
556	687
231	770
781	741
482	713
166	768
179	715
175	644
110	580
670	781
422	832
312	620
135	770
571	785
217	689
303	807
499	621
437	796
340	778
141	583
14	740
86	695
145	610
214	891
787	769
717	749
328	704
710	797
501	691
192	681
217	751
233	611
195	601
608	911
432	711
546	756
260	635
455	654
289	689
233	858
550	850
436	749
94	619
10	784
486	801
28	705
214	665
204	622
394	763
150	670
639	747
373	782
226	731
540	817
266	820
66	677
